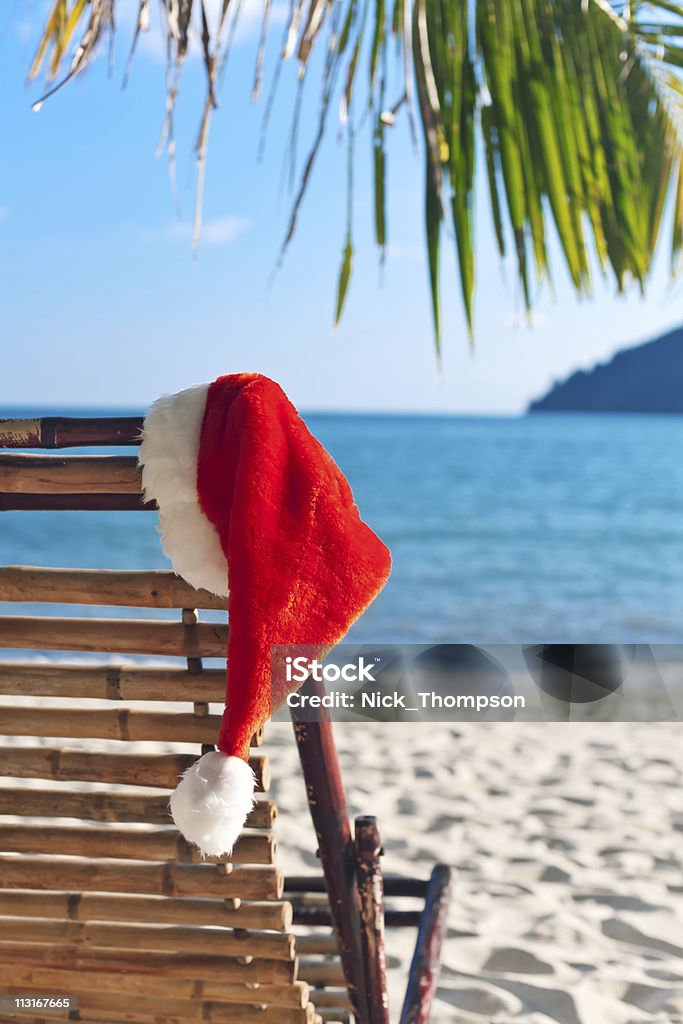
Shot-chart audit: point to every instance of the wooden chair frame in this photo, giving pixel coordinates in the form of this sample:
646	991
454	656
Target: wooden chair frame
356	888
352	875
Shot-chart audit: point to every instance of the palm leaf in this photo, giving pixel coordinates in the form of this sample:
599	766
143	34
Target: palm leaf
575	106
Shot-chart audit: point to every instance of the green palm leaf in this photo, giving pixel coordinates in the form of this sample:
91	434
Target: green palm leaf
575	107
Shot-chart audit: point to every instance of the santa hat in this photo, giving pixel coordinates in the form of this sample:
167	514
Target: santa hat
253	508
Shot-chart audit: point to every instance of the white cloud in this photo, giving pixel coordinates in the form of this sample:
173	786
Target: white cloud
224	230
220	231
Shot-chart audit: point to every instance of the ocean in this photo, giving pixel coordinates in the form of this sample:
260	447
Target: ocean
537	529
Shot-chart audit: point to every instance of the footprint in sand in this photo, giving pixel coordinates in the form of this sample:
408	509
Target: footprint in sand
650	997
510	959
661	974
614	928
554	874
551	1002
445	821
407	805
615	900
484	1002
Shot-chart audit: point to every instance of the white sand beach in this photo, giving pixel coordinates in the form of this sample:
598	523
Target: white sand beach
568	845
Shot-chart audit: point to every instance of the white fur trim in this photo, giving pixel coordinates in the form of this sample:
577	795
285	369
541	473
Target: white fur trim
212	800
168	457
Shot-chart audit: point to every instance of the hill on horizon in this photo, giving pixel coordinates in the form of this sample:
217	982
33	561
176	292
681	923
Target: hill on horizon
645	378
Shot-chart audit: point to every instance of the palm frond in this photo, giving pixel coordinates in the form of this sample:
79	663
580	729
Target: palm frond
575	107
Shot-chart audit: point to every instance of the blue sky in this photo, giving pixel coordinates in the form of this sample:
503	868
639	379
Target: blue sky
104	305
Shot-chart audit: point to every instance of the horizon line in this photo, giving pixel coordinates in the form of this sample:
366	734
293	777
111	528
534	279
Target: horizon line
28	410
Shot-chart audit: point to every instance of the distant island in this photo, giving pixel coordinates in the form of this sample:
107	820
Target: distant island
645	378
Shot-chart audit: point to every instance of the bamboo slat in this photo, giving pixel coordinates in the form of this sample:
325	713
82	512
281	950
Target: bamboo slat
122	636
334	1015
158	770
115	683
109	724
264	916
170	965
327	973
100	1006
295	994
336	997
324	944
130	588
70	431
110	807
207	880
157	844
69	474
394	885
160	939
112	682
75	503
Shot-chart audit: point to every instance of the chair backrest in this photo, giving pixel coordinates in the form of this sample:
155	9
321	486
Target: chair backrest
100	896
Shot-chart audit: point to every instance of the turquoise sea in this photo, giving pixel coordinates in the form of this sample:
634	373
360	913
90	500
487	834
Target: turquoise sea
554	528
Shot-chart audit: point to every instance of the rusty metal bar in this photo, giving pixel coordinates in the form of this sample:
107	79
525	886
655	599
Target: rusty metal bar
394	885
327	804
321	917
426	964
369	877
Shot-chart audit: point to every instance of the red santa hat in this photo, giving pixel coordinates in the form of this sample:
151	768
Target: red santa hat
253	508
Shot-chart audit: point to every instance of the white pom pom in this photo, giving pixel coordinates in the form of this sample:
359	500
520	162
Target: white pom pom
212	800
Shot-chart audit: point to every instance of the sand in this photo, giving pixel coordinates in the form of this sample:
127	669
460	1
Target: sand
568	845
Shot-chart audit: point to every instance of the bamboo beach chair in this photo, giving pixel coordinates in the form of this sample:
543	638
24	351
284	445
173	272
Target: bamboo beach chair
100	896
